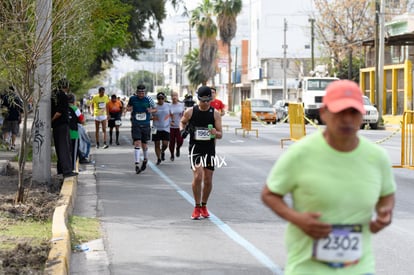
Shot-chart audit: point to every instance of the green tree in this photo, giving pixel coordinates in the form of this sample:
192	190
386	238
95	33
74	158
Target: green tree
202	20
76	42
109	30
20	51
193	68
129	82
227	11
343	71
126	27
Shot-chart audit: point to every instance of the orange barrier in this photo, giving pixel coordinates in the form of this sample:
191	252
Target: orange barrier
407	141
296	123
246	119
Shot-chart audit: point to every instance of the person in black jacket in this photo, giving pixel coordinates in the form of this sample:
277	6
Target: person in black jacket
60	125
13	117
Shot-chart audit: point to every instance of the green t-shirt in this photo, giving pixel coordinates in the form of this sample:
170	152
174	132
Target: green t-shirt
343	186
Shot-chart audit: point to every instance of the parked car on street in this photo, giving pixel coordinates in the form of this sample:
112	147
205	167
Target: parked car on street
371	116
281	108
262	110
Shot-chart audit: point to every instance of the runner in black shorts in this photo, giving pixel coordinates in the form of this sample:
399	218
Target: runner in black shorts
203	123
141	107
161	123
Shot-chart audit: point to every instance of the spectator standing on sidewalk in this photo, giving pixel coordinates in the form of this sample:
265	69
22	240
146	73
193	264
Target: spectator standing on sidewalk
176	140
75	117
342	189
217	103
12	117
202	147
60	125
141	107
161	120
99	102
114	110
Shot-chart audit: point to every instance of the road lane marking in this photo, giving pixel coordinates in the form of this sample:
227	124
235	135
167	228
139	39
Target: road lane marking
259	255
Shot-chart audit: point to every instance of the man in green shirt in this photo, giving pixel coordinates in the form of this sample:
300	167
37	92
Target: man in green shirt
342	190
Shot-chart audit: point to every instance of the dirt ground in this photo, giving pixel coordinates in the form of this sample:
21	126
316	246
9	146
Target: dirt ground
39	204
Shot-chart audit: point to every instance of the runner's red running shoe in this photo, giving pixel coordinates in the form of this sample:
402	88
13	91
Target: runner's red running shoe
196	213
204	212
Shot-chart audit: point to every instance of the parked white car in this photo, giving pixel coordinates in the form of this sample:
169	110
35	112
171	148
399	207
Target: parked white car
281	110
371	116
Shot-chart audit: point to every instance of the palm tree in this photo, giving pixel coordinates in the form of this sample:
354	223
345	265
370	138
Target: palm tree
227	11
193	68
202	20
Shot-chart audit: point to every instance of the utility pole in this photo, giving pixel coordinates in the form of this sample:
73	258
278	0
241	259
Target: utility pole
235	75
42	86
285	95
379	57
312	21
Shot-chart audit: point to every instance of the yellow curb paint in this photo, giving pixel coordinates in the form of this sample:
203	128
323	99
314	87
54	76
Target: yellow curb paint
59	256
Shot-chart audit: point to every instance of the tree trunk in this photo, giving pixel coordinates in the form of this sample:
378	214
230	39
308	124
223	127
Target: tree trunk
22	156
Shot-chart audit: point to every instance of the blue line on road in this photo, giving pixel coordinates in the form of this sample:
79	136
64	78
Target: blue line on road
259	255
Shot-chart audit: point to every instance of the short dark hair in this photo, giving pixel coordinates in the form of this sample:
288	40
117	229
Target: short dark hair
71	98
63	83
101	89
141	87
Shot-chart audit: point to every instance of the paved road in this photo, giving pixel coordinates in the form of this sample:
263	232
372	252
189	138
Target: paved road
146	218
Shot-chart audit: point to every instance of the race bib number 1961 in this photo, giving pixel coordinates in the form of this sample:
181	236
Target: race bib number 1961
343	246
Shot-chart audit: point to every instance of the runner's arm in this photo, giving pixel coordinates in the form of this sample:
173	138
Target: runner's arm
308	222
383	218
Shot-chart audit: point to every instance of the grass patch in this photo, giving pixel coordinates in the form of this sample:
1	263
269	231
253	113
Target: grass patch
33	232
83	230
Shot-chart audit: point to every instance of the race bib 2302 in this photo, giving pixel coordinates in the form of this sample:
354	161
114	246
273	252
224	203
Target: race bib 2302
342	247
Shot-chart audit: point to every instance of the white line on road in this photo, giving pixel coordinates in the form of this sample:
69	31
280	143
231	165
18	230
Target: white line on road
259	255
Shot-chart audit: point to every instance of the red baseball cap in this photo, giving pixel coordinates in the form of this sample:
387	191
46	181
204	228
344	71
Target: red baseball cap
343	94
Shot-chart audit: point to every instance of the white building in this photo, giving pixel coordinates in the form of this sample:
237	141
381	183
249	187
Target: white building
278	34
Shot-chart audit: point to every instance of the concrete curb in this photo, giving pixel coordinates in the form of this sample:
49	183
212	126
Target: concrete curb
58	261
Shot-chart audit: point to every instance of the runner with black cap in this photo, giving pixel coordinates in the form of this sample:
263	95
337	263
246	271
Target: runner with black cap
141	107
203	123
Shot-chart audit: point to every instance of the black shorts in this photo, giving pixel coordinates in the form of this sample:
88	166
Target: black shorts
113	122
161	135
202	155
11	126
141	132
